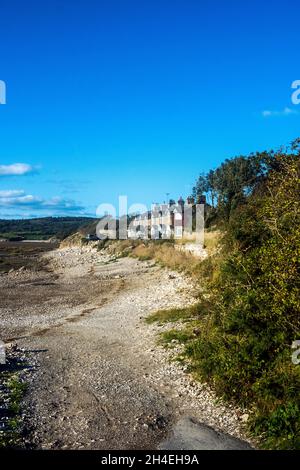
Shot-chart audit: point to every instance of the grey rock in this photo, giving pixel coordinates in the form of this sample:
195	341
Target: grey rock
189	434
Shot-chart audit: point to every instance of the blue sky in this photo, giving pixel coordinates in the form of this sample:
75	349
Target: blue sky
138	97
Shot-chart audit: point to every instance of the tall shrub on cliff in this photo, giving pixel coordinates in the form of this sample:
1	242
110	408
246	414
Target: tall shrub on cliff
245	345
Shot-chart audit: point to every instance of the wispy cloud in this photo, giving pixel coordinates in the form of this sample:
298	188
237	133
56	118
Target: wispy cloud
9	193
284	112
18	199
16	169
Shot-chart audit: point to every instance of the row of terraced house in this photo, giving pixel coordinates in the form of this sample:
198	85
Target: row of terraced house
163	221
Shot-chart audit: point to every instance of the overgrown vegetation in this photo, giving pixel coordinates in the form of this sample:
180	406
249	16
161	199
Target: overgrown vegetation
248	316
12	390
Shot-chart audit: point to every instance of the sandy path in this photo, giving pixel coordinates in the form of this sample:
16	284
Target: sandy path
102	383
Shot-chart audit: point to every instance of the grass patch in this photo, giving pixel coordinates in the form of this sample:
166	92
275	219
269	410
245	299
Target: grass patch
16	389
11	395
173	337
173	315
212	241
160	251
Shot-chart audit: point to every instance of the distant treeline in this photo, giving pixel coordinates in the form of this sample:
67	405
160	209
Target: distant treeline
43	228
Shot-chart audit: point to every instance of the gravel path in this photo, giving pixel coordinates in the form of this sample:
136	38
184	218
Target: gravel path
101	381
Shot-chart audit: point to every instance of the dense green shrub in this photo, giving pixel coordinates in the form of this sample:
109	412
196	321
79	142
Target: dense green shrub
244	347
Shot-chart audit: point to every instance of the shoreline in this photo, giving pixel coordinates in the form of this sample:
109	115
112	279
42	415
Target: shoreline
109	326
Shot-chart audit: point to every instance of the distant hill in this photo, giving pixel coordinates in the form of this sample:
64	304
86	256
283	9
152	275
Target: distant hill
46	227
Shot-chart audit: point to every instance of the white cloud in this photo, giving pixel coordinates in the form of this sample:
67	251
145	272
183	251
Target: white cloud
11	193
15	198
285	112
18	200
16	169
